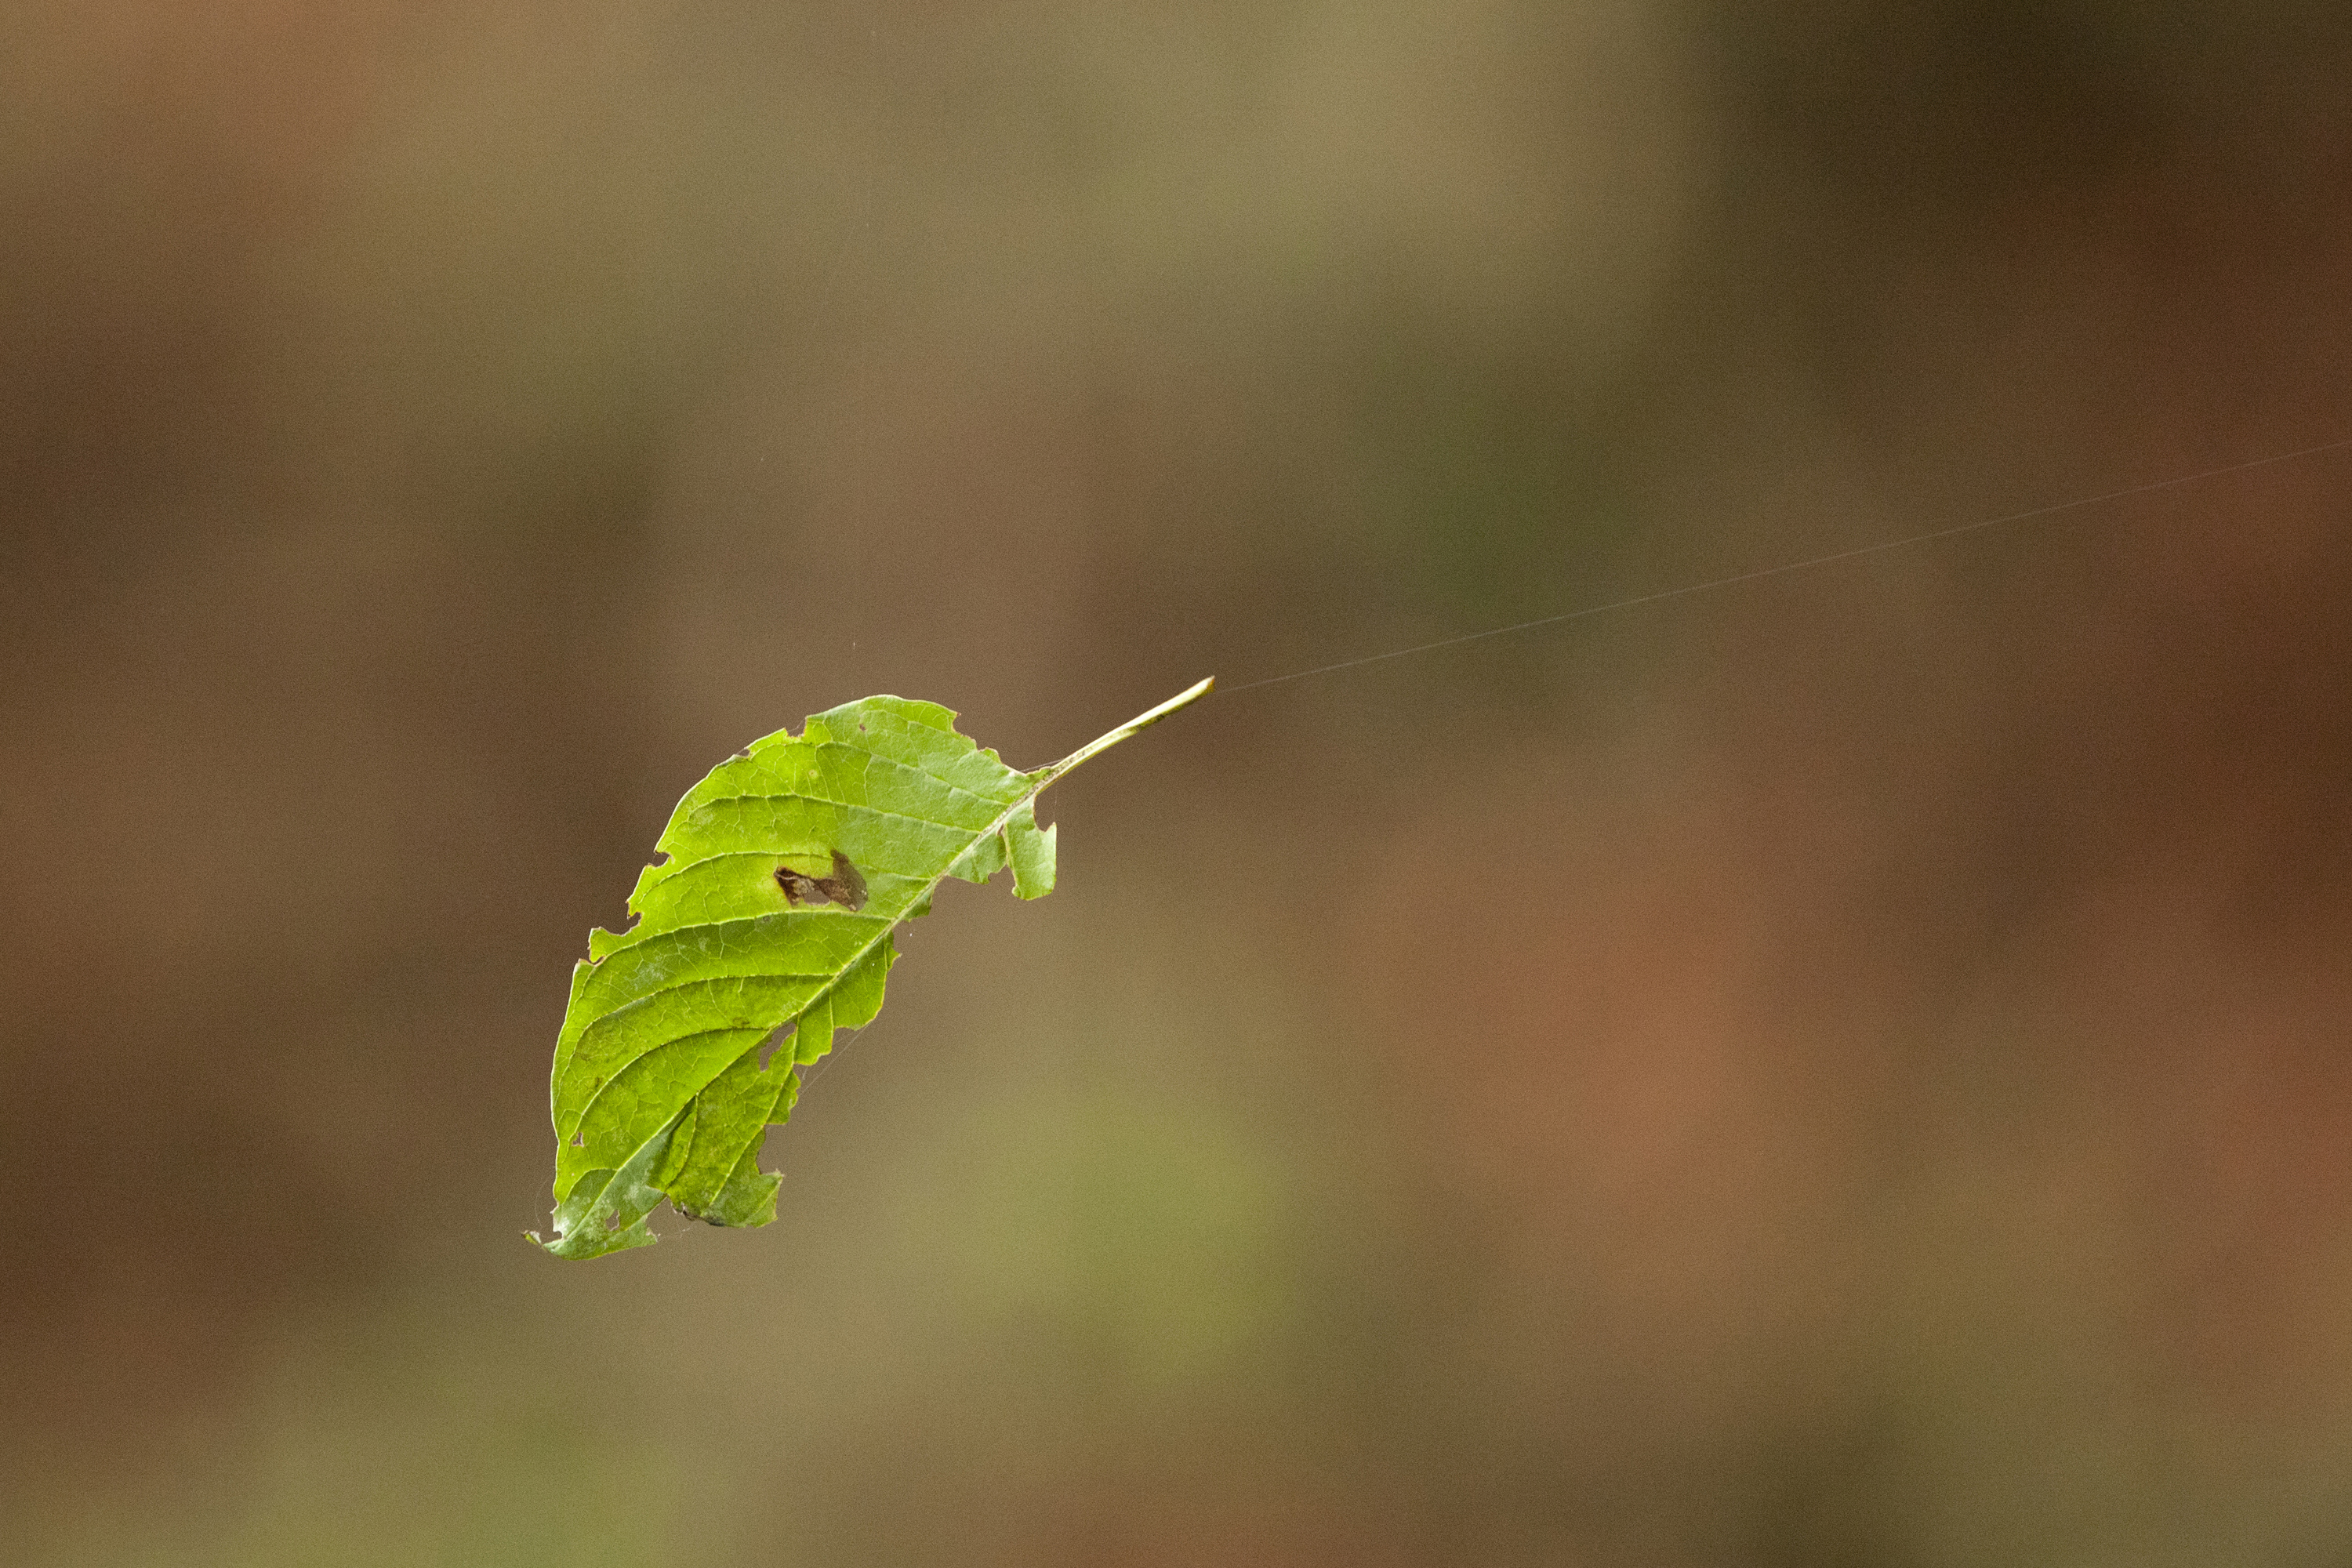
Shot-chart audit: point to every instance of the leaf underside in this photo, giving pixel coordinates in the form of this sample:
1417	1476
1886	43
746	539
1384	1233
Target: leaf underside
766	926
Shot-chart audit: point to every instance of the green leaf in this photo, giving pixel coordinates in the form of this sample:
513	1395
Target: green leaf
785	876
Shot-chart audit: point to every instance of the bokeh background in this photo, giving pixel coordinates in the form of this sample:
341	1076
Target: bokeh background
1847	1070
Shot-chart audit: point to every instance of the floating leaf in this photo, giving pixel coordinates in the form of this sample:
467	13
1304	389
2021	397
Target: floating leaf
769	918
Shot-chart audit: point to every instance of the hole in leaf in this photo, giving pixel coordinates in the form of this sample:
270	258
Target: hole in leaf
580	1140
845	886
613	1220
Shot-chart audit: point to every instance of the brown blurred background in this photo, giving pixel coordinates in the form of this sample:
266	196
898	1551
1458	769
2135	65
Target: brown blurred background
1849	1071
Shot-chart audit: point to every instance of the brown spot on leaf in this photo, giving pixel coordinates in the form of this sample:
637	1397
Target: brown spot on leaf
844	886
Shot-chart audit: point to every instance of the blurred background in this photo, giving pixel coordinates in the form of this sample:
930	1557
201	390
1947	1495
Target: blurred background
1846	1070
